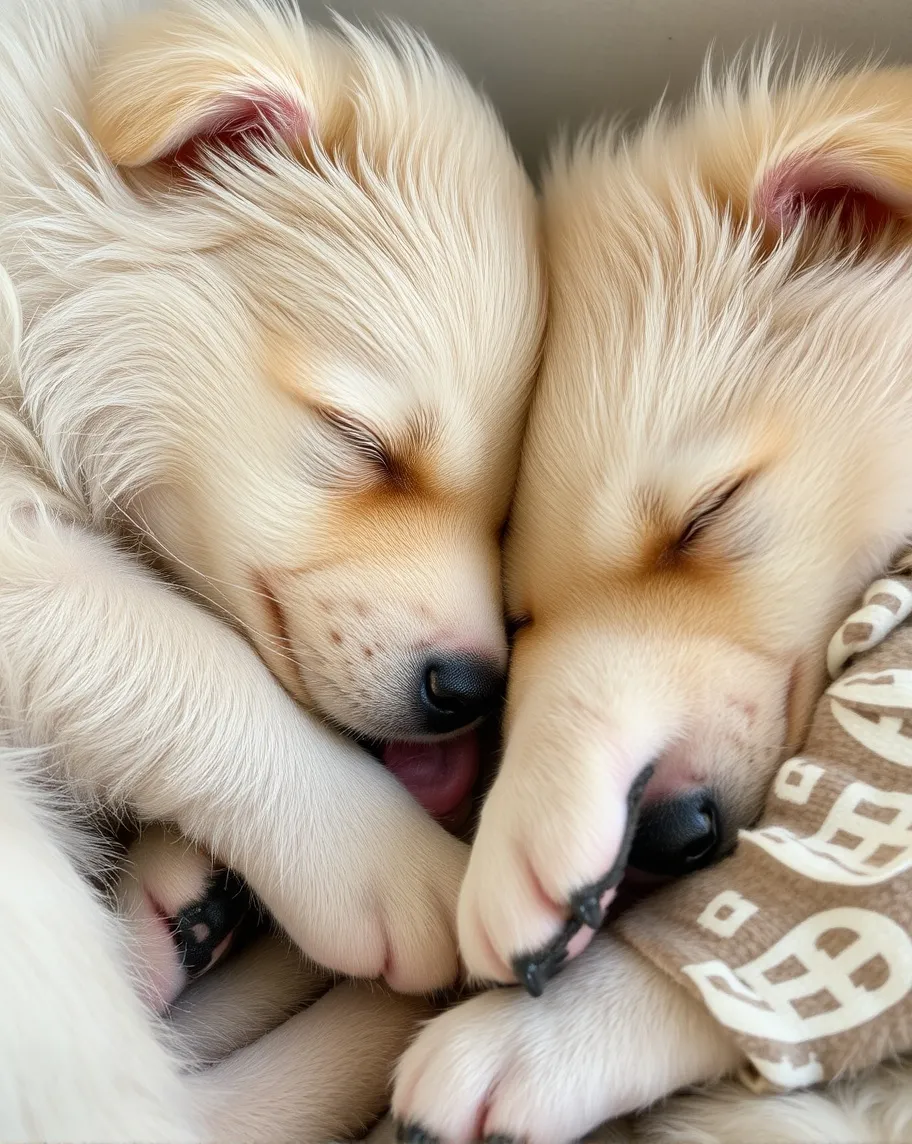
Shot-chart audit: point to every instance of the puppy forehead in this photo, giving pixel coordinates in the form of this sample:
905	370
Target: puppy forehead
638	417
397	323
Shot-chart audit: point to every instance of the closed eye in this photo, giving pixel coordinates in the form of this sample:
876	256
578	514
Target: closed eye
517	622
382	461
356	435
708	511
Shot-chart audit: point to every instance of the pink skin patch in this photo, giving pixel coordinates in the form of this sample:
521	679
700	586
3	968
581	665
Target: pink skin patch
826	188
163	976
236	120
674	773
438	775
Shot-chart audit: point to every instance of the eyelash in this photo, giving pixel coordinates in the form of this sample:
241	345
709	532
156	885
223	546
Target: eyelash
360	438
516	623
708	513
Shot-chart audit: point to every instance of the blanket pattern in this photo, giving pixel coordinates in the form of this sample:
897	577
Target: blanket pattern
799	943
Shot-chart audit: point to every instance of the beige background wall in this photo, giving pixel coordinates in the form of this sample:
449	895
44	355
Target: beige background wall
548	62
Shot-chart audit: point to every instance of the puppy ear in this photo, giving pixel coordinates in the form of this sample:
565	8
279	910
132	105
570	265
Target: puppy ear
848	162
861	194
183	79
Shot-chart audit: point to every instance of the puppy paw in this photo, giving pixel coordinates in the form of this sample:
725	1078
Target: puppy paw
537	891
182	911
497	1069
612	1035
417	911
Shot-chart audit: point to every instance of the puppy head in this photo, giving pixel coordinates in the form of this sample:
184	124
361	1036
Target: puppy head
716	463
344	355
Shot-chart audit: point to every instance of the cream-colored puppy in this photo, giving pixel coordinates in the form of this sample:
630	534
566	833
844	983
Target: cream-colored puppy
719	459
272	307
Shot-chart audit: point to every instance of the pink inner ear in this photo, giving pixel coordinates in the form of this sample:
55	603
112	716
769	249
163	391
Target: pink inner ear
825	189
237	119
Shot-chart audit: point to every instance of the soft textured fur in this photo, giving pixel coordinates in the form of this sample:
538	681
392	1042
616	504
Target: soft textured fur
719	459
272	307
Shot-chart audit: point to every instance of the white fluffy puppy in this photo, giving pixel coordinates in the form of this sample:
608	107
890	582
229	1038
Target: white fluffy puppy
272	312
718	462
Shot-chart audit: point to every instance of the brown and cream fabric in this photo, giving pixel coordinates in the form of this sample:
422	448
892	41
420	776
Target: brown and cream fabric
800	943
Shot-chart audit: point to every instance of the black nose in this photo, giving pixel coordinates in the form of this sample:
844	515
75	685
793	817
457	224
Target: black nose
677	836
454	691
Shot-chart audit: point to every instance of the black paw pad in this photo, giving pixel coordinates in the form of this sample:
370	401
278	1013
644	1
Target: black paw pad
534	970
414	1134
204	928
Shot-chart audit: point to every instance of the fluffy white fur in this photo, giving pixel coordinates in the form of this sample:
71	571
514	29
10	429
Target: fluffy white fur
293	381
718	322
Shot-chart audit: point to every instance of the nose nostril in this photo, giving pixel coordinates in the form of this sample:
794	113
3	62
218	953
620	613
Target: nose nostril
677	836
454	692
438	694
705	840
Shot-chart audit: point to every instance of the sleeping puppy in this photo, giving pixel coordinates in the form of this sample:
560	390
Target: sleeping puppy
271	310
719	459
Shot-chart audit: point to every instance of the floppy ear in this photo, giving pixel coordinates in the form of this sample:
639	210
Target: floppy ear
851	159
179	80
864	194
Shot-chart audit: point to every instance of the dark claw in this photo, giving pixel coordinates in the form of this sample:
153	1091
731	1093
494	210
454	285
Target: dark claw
582	898
587	910
413	1134
529	975
534	970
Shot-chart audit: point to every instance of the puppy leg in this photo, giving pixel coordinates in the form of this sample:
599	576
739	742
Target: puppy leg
611	1035
873	1108
325	1072
552	839
243	999
153	702
79	1058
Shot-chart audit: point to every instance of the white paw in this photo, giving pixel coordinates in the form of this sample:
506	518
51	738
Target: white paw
554	835
537	873
498	1068
610	1036
416	903
180	909
382	883
379	900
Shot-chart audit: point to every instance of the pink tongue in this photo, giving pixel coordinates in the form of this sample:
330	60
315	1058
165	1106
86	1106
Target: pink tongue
437	775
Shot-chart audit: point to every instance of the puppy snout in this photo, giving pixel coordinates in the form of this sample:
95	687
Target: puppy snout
678	835
456	690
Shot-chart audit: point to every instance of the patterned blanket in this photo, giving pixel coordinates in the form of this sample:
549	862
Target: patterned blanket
800	943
